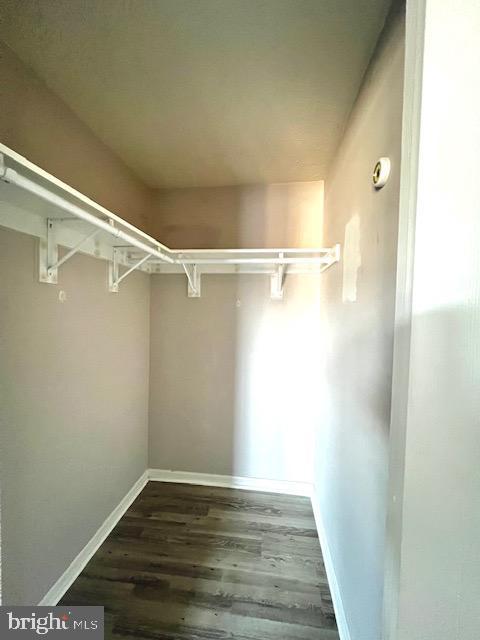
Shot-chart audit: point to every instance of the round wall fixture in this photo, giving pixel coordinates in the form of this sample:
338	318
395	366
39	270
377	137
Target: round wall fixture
381	172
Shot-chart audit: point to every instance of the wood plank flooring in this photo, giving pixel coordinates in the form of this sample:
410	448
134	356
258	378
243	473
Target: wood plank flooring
205	563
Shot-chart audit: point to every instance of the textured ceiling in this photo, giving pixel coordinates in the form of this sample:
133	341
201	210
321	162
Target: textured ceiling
203	92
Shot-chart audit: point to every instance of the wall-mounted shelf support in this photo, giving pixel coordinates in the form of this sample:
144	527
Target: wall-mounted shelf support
277	280
335	254
49	263
113	269
114	277
194	280
48	256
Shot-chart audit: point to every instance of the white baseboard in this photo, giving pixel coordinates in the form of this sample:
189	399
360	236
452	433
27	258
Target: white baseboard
340	616
72	572
232	482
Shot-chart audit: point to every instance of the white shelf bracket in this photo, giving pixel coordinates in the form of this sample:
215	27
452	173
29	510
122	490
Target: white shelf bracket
333	257
113	272
336	252
3	168
194	280
277	281
114	277
49	263
48	256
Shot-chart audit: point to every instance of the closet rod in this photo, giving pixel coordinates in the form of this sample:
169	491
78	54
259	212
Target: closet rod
314	260
185	252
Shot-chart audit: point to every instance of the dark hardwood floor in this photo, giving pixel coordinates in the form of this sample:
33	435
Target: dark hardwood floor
203	563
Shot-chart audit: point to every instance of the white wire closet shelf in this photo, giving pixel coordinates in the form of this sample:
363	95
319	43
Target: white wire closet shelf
35	202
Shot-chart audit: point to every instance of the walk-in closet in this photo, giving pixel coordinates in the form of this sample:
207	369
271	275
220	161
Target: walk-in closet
238	319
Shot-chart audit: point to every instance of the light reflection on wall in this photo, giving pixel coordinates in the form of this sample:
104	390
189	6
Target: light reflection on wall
278	347
235	375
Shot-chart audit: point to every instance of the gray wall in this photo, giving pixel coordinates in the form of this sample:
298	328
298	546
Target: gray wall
233	376
233	373
73	376
434	515
266	215
351	463
73	421
40	126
